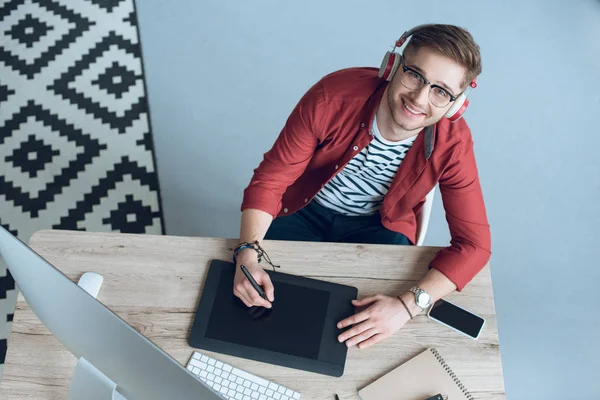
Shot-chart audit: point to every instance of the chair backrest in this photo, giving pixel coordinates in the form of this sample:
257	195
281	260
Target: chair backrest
423	219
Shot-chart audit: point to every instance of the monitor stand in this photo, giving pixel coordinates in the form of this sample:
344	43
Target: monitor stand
88	382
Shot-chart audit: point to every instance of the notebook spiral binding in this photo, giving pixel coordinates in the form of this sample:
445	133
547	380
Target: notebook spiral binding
454	378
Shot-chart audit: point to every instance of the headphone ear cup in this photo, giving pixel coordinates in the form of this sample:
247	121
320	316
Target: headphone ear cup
458	108
389	65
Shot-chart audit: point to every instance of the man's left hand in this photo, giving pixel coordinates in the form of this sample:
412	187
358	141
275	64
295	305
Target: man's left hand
384	316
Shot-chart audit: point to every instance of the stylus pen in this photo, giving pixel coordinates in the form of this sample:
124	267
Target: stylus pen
255	285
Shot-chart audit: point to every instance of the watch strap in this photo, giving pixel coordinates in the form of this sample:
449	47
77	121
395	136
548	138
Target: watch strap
417	291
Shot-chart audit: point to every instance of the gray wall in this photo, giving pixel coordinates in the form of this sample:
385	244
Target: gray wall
223	77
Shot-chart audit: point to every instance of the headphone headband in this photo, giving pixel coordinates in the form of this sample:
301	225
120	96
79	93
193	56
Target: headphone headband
404	37
391	62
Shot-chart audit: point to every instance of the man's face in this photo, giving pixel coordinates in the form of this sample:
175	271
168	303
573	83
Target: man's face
411	109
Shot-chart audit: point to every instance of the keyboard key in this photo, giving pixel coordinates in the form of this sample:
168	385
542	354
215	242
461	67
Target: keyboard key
234	383
198	364
250	377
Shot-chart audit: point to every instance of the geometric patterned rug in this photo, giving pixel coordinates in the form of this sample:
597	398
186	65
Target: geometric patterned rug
76	149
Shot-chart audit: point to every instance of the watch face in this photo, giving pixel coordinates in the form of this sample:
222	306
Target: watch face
423	299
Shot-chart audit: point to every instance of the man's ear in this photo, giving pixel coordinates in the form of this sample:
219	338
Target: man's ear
466	83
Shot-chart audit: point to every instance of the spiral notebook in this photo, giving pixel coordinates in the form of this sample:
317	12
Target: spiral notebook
417	379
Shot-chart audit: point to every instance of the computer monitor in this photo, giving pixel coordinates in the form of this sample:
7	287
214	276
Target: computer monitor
115	361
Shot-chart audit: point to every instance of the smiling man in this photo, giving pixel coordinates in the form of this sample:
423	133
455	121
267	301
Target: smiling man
354	163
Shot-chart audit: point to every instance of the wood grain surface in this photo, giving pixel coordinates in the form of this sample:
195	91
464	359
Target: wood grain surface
154	283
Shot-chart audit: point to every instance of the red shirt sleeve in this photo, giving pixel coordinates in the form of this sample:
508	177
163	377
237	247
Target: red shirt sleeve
289	156
470	246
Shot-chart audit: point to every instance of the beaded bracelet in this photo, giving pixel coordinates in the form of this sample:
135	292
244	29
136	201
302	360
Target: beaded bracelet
255	246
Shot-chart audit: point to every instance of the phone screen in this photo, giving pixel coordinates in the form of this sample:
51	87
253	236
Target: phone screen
457	318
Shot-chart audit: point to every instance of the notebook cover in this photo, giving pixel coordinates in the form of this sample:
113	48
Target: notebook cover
417	379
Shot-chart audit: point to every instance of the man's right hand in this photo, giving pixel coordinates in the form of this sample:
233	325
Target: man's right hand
242	287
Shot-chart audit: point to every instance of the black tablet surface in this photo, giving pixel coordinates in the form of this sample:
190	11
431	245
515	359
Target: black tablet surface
298	332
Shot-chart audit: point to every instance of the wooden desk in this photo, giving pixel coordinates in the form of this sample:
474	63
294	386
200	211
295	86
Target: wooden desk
154	283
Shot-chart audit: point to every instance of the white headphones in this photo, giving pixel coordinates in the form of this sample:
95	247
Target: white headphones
391	62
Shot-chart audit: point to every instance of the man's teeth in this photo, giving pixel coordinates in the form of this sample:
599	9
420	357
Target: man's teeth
411	109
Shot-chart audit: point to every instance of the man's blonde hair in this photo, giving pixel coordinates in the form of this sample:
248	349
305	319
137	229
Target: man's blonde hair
450	41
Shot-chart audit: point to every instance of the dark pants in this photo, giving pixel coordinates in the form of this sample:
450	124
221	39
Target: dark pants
315	223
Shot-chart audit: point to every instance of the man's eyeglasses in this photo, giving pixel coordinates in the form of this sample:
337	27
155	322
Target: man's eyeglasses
413	80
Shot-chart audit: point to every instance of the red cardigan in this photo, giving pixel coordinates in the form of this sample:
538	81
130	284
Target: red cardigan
331	124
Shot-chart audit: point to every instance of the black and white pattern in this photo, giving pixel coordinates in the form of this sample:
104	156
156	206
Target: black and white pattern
76	148
359	188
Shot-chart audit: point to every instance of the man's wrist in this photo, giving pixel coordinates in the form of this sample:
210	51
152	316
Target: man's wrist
261	254
248	255
409	300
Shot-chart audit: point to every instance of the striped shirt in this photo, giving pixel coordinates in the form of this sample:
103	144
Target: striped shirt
359	188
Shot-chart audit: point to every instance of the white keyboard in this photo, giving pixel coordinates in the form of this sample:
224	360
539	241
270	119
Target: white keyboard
233	383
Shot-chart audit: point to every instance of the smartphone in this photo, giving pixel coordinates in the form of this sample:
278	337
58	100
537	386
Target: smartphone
456	318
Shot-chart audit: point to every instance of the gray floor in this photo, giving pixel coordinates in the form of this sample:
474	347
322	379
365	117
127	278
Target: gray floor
534	119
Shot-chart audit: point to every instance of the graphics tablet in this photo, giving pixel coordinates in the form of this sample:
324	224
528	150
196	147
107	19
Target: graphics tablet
298	332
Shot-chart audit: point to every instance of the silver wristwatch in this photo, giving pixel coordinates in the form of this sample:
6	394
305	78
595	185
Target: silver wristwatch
422	298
